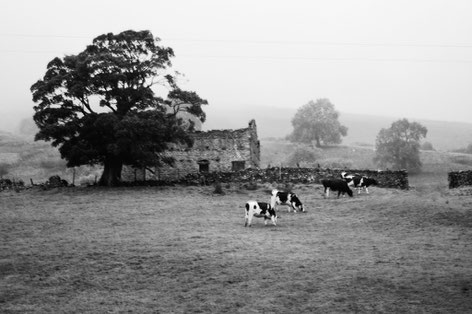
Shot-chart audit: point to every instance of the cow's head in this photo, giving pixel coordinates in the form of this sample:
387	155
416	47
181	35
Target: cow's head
295	202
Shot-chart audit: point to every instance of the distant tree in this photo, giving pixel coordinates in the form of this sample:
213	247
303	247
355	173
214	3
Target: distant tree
398	146
303	157
317	122
100	107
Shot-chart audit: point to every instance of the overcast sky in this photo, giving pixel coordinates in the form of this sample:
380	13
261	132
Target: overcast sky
395	58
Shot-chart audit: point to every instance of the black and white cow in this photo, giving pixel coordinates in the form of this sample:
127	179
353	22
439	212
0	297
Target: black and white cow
286	198
358	181
338	185
259	209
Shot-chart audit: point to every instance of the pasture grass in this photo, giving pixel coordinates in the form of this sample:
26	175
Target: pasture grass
186	250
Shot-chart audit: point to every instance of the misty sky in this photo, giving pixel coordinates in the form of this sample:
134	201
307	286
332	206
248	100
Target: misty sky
396	58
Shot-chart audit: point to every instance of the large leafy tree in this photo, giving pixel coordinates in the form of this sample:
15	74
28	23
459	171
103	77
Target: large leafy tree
399	145
317	122
104	105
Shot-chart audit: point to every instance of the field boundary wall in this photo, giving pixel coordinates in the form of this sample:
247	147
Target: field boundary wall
387	178
459	178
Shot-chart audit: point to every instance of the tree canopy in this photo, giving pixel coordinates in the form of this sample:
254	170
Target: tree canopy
399	145
317	122
103	105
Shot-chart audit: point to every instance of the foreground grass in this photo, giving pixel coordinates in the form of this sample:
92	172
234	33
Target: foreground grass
185	250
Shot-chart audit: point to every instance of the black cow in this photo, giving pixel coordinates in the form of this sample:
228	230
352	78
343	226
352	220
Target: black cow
286	198
338	185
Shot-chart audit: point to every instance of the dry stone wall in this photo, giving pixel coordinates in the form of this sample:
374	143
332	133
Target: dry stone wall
387	179
460	178
216	153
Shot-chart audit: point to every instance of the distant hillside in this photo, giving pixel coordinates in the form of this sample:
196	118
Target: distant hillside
275	122
445	136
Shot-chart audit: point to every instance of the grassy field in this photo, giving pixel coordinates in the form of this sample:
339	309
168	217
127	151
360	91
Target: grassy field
186	250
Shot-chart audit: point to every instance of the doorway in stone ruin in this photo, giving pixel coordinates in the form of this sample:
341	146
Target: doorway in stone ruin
238	165
204	165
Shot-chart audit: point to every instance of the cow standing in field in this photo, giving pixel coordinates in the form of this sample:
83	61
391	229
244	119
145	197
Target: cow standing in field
338	185
358	181
259	209
286	198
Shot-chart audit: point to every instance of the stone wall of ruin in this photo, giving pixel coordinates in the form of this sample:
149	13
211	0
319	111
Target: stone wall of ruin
217	147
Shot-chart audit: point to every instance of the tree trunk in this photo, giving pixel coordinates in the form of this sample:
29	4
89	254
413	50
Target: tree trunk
111	175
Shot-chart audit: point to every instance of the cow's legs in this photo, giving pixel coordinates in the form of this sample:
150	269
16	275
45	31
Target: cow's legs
272	218
273	202
283	204
248	219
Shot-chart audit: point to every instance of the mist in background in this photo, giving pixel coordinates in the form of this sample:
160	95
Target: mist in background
392	59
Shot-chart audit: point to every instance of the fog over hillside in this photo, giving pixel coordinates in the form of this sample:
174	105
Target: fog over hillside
362	129
275	122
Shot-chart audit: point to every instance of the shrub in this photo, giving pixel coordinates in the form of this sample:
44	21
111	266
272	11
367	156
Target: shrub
4	169
427	146
303	156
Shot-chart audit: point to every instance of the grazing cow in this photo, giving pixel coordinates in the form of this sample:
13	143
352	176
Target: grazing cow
336	185
365	183
259	209
358	181
286	198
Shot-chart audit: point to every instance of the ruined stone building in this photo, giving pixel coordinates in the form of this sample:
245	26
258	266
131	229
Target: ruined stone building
214	150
